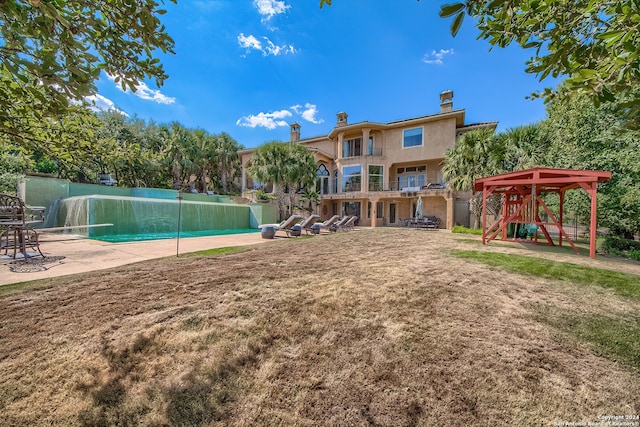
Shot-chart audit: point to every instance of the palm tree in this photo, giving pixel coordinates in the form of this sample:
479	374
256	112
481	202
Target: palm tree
310	196
522	147
473	156
203	152
178	159
269	164
301	171
285	165
228	161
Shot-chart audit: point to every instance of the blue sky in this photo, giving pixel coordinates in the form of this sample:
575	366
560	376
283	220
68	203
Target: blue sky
252	67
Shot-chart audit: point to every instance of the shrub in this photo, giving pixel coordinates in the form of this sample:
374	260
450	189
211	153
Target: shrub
614	245
466	230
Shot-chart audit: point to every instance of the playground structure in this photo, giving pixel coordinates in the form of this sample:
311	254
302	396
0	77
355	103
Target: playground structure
522	202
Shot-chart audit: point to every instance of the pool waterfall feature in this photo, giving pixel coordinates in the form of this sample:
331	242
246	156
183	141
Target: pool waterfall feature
139	213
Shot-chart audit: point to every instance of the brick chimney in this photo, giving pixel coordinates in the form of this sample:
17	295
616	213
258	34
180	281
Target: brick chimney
446	101
342	119
294	132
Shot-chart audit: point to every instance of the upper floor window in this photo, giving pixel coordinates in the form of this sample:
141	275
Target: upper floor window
370	149
412	137
351	178
352	147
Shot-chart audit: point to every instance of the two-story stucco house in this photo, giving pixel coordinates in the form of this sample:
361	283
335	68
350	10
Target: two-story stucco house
378	171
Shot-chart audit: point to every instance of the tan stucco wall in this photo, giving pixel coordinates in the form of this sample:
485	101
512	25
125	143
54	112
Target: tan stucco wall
437	137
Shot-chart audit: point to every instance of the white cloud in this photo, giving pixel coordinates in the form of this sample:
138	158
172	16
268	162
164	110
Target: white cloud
144	92
268	48
266	120
309	113
276	119
249	42
270	8
436	57
102	103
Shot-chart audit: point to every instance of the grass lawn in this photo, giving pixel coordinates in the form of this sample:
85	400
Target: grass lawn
372	327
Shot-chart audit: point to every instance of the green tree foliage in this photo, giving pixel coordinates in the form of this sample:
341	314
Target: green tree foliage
469	159
480	153
228	161
593	42
583	136
52	52
286	165
14	162
134	152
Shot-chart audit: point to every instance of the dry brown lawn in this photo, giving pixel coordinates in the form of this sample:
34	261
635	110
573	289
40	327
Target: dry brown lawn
374	327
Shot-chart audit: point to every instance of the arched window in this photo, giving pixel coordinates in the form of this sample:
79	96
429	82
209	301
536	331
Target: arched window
322	180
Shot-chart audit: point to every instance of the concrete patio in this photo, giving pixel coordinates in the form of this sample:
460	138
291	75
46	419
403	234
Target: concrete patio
68	254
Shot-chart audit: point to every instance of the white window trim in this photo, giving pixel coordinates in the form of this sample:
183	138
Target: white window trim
421	139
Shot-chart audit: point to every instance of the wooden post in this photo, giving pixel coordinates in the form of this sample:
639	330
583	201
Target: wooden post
593	224
560	218
484	215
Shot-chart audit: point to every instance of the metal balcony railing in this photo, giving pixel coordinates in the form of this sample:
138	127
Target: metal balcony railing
393	186
374	152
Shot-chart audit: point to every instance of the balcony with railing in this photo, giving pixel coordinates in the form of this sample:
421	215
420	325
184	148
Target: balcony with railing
394	189
395	186
351	152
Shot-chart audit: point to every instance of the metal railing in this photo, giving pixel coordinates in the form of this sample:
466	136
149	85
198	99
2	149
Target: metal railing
393	186
375	152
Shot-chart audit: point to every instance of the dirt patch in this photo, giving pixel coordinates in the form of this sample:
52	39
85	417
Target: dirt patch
377	327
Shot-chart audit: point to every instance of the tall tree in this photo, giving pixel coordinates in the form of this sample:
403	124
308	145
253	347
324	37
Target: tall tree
203	154
480	153
519	148
177	158
228	159
52	52
583	136
285	165
469	159
301	171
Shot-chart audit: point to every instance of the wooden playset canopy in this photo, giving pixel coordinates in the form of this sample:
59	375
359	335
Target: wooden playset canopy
521	193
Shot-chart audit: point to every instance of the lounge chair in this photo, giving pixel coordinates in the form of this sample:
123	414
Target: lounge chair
308	223
269	230
345	224
325	225
350	224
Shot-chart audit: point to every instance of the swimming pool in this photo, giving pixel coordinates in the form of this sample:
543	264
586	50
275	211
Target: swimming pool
121	238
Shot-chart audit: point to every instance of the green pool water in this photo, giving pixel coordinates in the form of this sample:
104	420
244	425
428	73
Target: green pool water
121	238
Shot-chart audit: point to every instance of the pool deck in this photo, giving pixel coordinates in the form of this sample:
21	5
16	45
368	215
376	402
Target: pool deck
71	254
